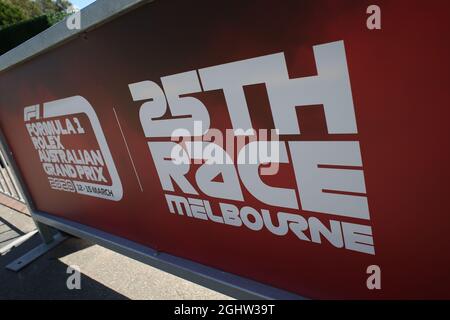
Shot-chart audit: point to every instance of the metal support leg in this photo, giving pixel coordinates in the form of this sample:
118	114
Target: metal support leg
17	242
47	233
35	253
51	237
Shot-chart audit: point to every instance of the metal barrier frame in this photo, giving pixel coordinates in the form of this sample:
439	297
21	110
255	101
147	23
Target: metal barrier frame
50	227
8	185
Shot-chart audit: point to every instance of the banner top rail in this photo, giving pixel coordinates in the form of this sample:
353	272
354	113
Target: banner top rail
93	15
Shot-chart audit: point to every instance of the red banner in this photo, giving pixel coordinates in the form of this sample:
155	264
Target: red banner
301	144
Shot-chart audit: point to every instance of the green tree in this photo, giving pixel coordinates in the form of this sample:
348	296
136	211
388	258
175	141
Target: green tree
53	6
10	14
21	20
30	8
13	11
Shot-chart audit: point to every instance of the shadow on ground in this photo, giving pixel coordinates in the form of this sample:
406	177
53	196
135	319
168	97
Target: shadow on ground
105	274
8	232
46	277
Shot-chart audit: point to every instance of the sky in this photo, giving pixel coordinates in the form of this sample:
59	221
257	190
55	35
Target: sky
80	4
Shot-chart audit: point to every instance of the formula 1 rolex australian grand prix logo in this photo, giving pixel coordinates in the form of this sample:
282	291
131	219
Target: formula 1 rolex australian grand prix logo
72	148
328	175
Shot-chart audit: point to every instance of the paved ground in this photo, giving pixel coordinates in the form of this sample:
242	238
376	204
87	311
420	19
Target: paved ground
105	274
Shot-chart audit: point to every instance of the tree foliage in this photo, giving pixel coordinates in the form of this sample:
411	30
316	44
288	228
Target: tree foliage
10	14
14	11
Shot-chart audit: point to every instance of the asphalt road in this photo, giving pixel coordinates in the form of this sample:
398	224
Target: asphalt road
104	273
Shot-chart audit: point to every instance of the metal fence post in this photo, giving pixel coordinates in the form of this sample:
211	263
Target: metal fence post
8	183
47	233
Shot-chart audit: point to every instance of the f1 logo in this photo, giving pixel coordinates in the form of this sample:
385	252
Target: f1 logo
31	112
